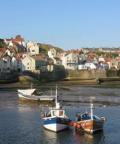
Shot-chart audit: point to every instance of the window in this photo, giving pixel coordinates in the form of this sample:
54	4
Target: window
61	113
54	113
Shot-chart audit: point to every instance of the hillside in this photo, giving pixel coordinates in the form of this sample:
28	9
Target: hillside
44	48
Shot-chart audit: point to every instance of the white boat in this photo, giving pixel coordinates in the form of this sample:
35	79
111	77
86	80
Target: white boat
30	94
56	119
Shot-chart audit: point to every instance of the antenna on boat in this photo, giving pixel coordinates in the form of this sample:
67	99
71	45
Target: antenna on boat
56	99
56	93
91	109
91	106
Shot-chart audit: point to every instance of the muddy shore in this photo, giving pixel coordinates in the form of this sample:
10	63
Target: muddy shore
64	83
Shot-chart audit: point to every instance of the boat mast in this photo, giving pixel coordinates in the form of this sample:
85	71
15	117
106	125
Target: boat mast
56	101
91	108
57	104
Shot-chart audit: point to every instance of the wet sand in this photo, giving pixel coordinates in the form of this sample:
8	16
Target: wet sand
64	83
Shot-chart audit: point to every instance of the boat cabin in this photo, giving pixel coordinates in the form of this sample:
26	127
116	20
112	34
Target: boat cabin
86	116
56	112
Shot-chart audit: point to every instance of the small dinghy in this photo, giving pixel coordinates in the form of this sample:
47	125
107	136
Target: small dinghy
32	95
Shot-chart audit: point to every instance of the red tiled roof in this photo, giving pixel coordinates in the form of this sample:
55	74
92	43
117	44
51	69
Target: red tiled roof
3	49
17	39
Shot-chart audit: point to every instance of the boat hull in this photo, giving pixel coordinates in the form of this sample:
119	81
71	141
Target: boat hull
22	96
55	124
91	126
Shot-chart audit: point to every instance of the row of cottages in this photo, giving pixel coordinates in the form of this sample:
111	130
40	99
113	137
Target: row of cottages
77	59
71	59
25	62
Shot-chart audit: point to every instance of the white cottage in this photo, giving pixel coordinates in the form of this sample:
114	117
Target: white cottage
89	65
6	64
70	61
52	53
14	63
33	48
27	63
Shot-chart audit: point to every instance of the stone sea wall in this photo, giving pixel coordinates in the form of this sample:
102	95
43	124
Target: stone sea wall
86	74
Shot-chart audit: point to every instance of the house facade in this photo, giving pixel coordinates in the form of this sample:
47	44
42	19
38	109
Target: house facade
70	61
52	53
40	63
33	63
28	64
32	48
5	64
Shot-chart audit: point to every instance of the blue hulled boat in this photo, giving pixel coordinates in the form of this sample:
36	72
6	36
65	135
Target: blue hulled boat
56	119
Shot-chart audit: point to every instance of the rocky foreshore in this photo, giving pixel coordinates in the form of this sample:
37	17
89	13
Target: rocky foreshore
103	82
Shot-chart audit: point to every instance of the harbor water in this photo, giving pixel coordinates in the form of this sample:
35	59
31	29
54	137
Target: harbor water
21	123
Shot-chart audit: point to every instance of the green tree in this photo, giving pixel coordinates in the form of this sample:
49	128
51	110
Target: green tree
2	43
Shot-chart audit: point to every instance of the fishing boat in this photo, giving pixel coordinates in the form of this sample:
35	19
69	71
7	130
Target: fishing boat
32	95
56	119
89	122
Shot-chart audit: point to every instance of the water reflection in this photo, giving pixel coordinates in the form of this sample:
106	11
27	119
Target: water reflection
50	137
73	137
85	138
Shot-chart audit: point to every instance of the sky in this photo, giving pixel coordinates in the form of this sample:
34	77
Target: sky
69	24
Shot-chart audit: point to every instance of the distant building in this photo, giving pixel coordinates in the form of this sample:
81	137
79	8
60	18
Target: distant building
90	66
87	66
6	65
40	63
70	61
52	53
32	48
13	41
34	63
27	63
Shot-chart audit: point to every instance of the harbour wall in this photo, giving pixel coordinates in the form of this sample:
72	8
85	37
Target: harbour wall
86	74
